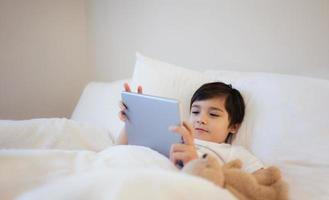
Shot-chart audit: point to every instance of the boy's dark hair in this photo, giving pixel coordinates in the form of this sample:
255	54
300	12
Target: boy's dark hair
234	103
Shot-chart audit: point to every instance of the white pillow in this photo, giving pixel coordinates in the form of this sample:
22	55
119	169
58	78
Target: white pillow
286	124
162	79
99	106
282	107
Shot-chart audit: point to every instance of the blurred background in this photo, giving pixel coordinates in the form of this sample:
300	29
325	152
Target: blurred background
50	49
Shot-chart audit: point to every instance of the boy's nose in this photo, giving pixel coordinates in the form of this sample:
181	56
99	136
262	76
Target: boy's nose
202	120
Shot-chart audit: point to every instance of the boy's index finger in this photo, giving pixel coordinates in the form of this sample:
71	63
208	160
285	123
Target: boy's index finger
189	130
188	127
187	137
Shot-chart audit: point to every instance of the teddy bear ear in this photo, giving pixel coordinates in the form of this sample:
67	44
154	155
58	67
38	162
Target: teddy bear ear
204	155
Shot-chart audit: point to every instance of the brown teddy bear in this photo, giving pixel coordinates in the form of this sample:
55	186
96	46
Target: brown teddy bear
265	184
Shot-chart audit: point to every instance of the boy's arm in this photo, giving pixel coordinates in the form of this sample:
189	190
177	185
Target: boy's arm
122	116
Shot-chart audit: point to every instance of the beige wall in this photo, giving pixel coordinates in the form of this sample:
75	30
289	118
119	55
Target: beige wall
49	49
43	65
284	36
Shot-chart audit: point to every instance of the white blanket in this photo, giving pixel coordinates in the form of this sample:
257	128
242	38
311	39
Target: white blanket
116	172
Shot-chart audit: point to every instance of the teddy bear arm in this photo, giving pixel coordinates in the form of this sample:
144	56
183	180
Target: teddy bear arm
268	176
247	185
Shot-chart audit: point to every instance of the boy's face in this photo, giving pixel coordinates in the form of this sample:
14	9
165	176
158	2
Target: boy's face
210	120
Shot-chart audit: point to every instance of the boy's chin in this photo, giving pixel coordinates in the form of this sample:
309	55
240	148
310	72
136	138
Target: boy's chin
201	137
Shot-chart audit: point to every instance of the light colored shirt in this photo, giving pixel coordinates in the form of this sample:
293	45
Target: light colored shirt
226	152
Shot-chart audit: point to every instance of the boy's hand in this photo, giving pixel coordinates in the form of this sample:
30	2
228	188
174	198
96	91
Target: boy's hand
127	88
186	151
123	107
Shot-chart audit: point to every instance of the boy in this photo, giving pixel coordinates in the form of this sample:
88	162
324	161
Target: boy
216	113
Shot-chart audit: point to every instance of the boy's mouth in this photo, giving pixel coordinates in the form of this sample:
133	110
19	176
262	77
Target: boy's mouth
200	130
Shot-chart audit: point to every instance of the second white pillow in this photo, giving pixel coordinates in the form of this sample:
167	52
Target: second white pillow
162	79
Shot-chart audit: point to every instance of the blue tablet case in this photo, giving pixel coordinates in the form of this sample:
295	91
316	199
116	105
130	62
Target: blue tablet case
149	118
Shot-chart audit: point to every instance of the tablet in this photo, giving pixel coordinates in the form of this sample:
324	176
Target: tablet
149	119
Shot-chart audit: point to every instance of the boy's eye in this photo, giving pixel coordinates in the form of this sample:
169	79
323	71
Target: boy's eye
214	115
195	112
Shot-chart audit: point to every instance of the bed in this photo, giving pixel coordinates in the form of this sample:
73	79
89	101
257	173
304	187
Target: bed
286	125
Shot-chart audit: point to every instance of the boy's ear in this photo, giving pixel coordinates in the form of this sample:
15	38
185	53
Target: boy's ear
234	128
